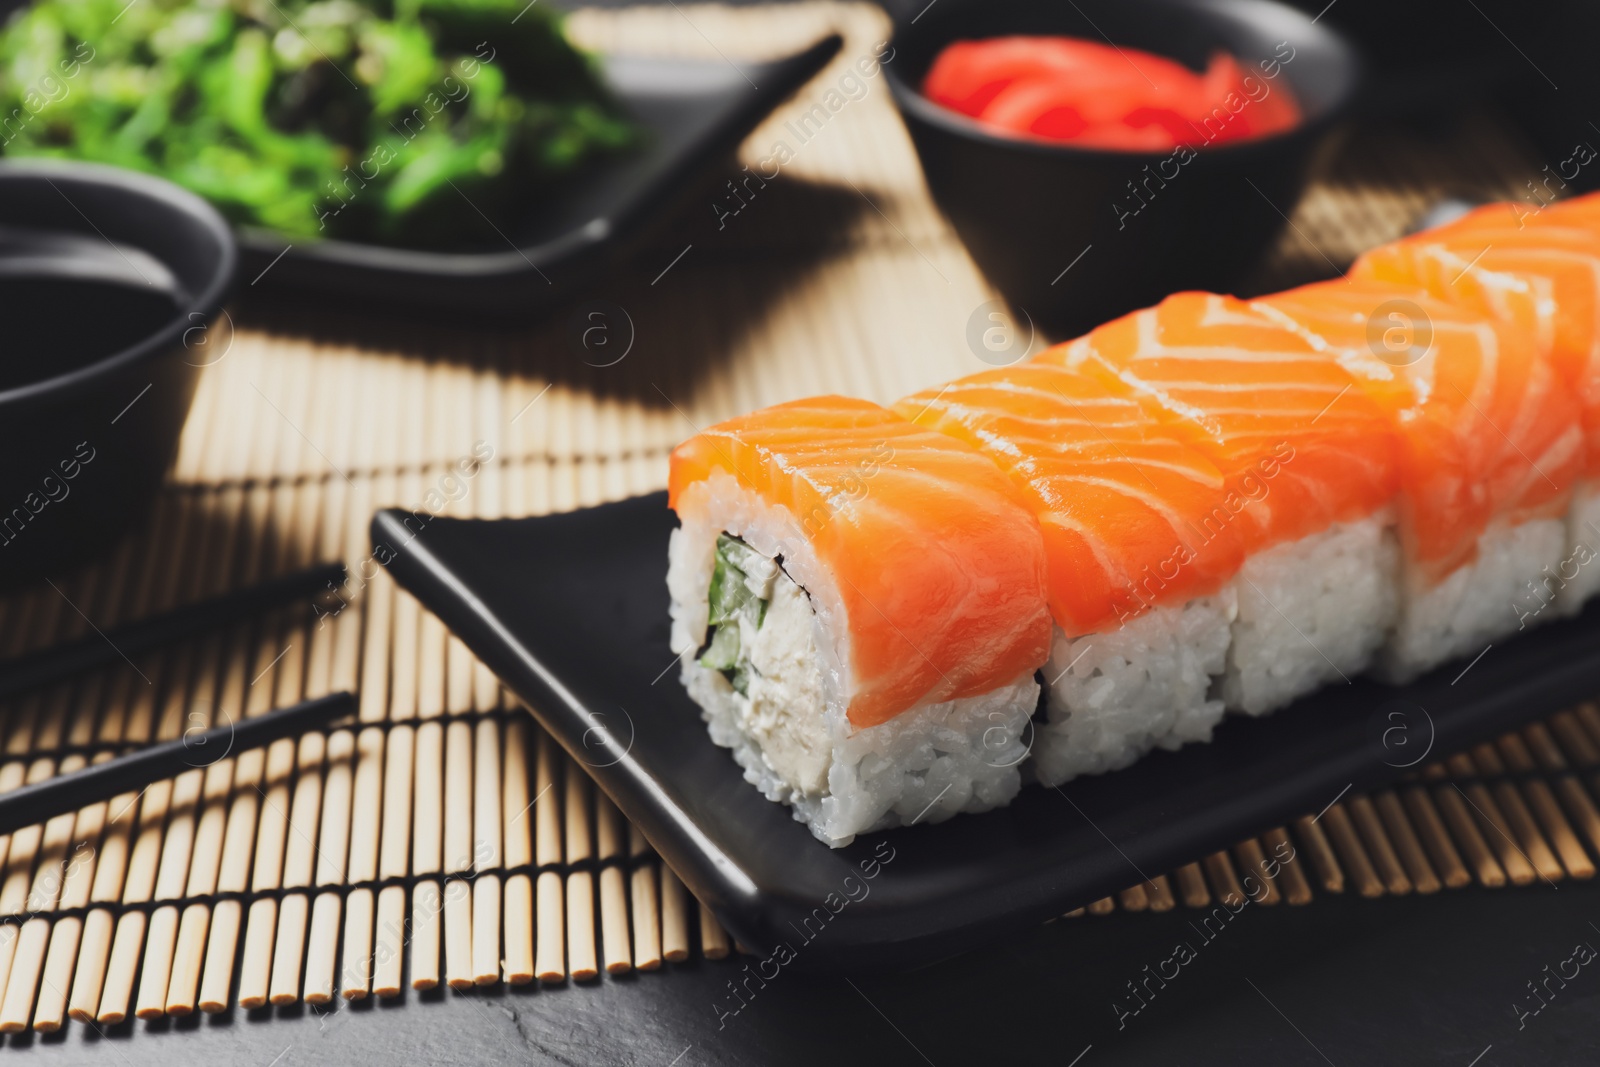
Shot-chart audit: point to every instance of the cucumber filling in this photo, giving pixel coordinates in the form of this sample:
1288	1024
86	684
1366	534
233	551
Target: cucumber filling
741	589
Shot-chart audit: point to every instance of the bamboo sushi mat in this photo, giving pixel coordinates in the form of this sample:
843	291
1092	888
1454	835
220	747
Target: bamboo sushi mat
444	838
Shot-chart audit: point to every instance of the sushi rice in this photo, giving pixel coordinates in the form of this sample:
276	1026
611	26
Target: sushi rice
1577	577
1475	604
1311	612
1145	684
789	730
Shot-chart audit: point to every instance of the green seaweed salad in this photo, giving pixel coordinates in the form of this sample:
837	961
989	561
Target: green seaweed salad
399	122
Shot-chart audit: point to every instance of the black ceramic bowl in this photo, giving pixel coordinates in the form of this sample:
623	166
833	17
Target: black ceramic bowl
1076	236
109	282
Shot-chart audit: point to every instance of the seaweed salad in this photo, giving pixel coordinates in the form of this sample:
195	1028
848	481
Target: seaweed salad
400	122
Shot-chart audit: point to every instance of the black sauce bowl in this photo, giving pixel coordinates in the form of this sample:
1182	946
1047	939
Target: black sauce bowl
113	280
1075	236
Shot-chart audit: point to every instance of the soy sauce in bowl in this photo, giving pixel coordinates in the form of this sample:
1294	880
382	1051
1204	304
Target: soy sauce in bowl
109	281
67	302
72	323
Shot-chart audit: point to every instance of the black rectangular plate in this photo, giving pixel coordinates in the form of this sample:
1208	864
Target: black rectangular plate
570	611
692	115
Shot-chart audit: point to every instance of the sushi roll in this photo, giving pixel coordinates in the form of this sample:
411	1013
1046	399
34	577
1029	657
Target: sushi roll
1308	465
1141	556
1490	449
859	607
1538	273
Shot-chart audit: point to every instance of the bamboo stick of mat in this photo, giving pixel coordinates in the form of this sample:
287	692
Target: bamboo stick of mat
459	849
518	823
1253	859
401	790
360	906
612	840
582	958
549	947
521	799
1192	883
427	847
674	917
332	851
1159	891
713	938
320	983
393	861
489	745
645	912
488	851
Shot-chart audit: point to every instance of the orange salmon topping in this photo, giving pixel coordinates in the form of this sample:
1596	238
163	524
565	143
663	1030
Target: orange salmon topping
1537	272
940	570
1486	429
1285	425
1132	517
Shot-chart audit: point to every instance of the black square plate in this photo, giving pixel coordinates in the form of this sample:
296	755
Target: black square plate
571	612
693	116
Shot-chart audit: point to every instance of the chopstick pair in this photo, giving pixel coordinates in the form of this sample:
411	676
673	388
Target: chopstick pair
32	804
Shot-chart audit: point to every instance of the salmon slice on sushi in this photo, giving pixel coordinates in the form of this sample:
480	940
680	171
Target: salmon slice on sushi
1491	447
1538	273
1140	566
1308	462
858	603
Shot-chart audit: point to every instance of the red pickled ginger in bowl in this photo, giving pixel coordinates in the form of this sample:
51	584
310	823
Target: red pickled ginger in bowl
1079	92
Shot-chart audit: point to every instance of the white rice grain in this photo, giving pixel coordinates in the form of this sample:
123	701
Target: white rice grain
1475	603
1578	575
1311	611
1116	695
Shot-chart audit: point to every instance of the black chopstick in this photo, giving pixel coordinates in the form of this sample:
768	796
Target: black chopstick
123	642
32	804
